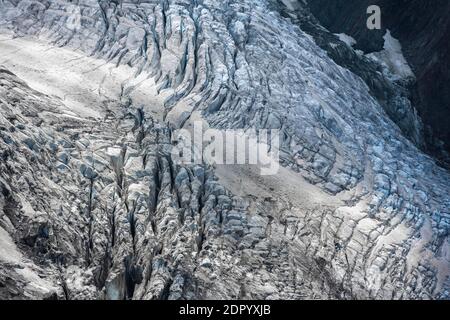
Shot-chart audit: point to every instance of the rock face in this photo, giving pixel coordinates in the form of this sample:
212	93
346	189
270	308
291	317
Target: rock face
423	28
93	205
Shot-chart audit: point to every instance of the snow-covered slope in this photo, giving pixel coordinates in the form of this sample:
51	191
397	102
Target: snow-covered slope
90	192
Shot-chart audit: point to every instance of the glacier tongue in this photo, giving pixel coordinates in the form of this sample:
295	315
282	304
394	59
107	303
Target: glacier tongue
91	194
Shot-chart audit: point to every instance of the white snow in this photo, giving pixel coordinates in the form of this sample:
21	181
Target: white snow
114	151
350	41
10	254
290	4
392	58
83	84
8	250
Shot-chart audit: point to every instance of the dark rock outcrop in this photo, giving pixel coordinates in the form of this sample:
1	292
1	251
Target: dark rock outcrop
423	28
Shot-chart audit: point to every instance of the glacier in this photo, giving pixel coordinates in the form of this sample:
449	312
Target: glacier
92	205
